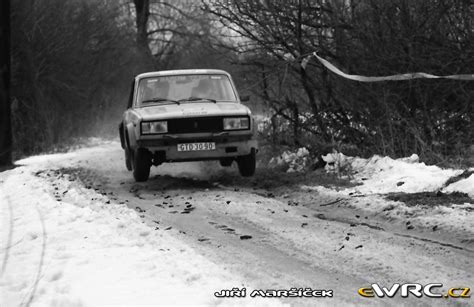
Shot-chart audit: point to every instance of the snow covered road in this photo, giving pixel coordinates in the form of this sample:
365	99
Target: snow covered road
77	230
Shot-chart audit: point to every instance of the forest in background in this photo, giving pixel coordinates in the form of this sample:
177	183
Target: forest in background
72	63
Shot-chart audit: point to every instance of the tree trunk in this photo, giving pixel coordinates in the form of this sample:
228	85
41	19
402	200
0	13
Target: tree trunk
142	8
5	112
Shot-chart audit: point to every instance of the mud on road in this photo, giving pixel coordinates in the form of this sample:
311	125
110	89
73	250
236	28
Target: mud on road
275	234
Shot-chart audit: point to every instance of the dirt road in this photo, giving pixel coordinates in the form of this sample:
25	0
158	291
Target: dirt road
279	236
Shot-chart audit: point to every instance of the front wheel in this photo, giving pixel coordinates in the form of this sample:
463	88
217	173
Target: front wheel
141	164
247	164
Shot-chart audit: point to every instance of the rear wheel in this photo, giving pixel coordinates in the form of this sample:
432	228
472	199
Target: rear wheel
247	164
141	164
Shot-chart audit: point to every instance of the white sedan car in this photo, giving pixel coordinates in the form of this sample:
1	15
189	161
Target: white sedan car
186	115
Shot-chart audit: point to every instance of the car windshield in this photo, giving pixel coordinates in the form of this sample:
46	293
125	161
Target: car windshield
185	88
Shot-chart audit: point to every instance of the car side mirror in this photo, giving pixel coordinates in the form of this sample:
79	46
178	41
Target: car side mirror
245	98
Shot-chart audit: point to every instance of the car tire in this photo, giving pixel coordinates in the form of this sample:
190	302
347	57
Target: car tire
128	160
247	164
141	164
128	153
226	162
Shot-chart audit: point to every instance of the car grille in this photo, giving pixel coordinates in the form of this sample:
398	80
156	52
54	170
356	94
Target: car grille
195	125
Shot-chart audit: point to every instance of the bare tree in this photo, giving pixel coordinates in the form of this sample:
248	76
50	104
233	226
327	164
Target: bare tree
71	67
432	118
5	113
173	33
142	8
72	61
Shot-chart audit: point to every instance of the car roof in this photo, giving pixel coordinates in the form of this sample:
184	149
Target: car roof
180	72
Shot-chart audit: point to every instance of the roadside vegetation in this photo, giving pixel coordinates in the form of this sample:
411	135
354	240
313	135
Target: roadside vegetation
72	63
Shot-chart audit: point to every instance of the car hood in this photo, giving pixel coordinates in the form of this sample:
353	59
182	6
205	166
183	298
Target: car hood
194	109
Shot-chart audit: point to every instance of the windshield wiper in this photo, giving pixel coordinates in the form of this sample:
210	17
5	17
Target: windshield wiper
197	99
157	99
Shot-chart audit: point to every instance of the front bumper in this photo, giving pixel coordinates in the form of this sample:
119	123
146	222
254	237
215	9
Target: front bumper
165	148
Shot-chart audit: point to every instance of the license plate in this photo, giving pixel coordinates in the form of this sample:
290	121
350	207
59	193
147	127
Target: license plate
197	146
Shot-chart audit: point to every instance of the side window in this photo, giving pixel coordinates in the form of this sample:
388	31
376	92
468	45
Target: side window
130	97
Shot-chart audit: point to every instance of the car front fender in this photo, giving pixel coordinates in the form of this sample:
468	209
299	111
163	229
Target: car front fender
132	136
122	136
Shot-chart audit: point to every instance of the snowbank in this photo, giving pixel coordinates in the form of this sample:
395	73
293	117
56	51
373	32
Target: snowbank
386	175
295	161
380	175
463	185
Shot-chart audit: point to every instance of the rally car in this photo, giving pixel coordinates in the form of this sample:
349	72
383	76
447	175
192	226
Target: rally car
186	115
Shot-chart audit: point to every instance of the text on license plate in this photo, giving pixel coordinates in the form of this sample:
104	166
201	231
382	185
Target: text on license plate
197	146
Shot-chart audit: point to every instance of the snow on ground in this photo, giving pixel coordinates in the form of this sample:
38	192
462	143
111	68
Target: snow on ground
386	175
296	161
380	175
453	218
377	176
463	185
82	251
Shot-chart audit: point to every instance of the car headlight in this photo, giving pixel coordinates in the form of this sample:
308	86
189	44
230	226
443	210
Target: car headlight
236	123
154	127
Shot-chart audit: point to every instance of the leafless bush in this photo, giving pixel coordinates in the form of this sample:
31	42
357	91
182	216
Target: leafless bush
431	117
